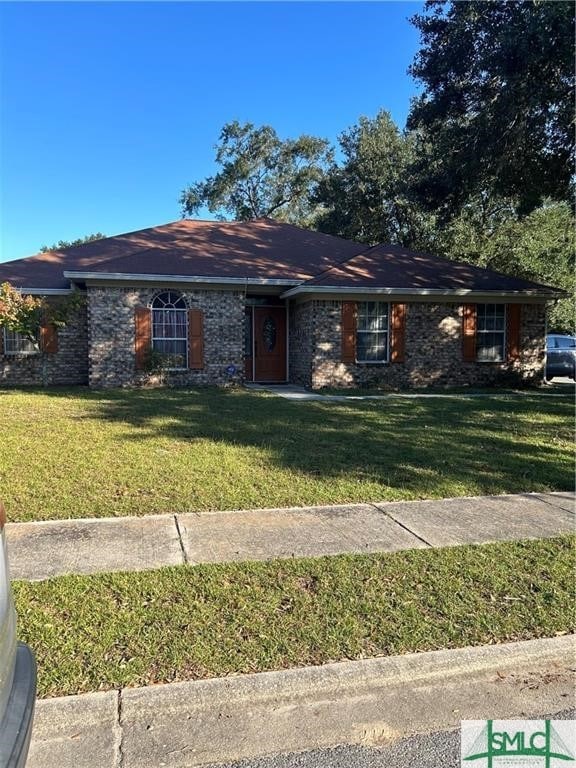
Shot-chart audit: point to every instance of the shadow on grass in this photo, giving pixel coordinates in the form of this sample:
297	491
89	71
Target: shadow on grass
424	447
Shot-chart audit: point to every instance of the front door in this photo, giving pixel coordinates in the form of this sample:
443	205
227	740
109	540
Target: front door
269	344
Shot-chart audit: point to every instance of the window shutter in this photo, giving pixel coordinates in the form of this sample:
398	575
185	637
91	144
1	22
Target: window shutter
513	331
48	339
469	332
195	338
142	335
398	326
348	332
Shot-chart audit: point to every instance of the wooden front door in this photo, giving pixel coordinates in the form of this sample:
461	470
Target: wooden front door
270	344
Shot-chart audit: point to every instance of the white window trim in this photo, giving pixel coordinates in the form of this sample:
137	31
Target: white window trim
17	353
504	333
385	360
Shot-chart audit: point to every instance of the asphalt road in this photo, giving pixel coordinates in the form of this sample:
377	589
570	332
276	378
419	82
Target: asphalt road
436	750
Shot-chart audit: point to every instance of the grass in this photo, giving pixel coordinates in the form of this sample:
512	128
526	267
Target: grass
554	387
81	453
106	631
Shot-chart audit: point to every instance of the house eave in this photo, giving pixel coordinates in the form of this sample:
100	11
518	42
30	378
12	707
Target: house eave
449	294
148	278
45	291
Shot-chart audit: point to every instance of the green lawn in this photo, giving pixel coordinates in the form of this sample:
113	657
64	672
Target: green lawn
102	632
551	388
81	453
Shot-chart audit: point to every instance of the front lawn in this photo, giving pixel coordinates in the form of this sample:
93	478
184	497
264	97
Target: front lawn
106	631
82	453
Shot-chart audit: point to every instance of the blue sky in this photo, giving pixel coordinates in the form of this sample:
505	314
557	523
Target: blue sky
110	109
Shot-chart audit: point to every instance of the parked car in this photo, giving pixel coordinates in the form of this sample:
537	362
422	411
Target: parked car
560	356
17	674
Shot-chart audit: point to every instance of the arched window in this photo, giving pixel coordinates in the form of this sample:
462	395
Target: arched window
170	328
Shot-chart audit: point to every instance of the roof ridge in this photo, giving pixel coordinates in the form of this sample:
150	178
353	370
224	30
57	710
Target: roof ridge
348	258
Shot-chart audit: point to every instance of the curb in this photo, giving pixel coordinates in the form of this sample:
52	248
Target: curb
371	702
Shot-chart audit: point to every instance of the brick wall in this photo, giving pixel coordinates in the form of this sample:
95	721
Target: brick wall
301	342
69	365
111	330
433	350
433	346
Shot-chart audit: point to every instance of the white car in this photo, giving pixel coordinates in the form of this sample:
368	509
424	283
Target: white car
17	674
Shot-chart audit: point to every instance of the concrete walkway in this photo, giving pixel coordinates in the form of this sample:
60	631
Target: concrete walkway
294	392
45	549
371	702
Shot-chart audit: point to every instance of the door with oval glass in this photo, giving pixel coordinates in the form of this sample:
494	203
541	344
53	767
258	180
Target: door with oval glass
270	344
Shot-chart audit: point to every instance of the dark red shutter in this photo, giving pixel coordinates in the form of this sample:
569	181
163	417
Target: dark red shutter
513	312
195	339
469	332
142	335
348	332
398	327
48	339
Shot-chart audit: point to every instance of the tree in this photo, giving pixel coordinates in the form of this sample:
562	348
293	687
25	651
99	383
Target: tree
19	313
260	175
539	247
29	316
71	243
367	197
496	114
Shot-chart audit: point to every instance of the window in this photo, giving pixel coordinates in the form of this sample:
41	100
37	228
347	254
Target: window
372	332
17	344
170	329
491	332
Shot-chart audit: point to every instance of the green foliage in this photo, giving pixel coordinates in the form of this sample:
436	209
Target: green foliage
71	243
19	313
367	196
61	311
153	451
260	175
25	314
496	113
538	247
184	622
154	361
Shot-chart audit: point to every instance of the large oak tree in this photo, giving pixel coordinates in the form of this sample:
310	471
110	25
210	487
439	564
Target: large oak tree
260	175
496	114
367	195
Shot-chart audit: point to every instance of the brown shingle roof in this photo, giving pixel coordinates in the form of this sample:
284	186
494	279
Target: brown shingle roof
395	267
263	249
260	249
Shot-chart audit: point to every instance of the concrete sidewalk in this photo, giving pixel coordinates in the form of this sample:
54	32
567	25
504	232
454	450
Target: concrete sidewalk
371	702
45	549
301	394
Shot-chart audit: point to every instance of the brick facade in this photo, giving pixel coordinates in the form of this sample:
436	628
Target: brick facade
433	357
97	346
69	365
111	331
